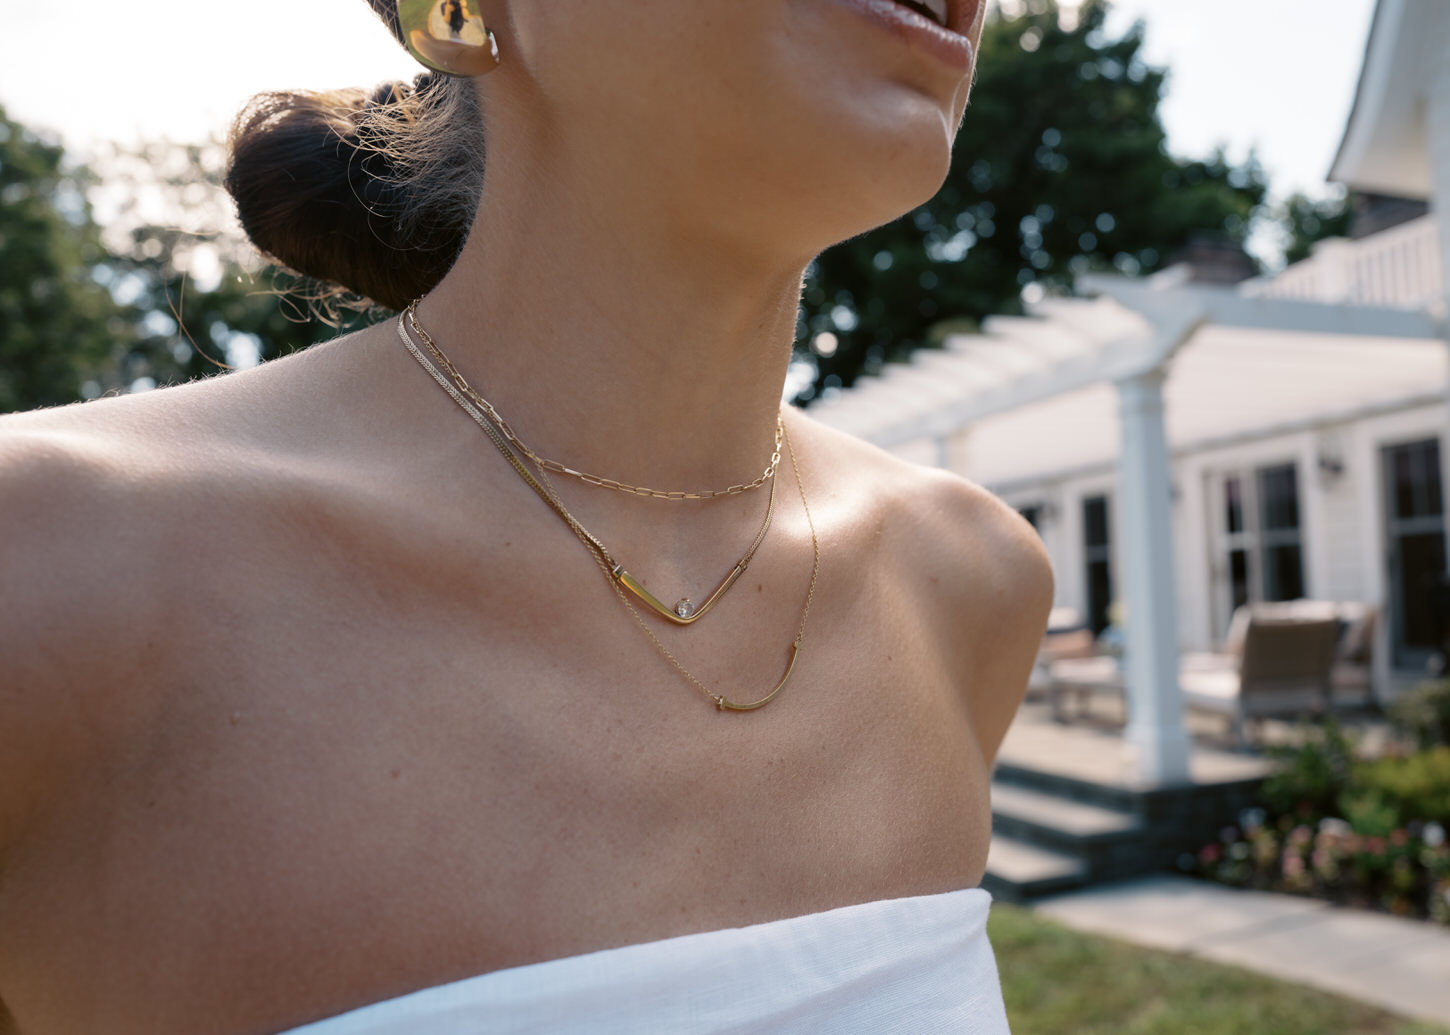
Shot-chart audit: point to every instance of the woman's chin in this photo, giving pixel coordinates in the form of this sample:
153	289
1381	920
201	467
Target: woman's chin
877	186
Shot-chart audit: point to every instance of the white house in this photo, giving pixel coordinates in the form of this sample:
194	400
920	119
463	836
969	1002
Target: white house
1197	446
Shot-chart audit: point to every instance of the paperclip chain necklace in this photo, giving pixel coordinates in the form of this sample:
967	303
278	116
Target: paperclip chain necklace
596	548
685	611
545	464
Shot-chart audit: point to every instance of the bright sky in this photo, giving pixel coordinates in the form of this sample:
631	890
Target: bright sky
1278	75
1275	74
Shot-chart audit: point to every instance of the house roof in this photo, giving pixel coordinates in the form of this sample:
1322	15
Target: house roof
1385	147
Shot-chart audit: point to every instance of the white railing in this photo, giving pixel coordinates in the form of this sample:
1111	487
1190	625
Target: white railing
1399	268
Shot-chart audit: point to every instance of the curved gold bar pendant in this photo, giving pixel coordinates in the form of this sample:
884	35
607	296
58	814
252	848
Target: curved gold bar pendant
724	705
683	613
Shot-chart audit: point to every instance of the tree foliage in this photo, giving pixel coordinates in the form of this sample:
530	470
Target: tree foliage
166	292
58	325
1307	221
1061	167
201	295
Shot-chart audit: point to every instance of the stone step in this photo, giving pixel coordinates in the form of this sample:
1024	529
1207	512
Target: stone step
1017	870
1060	785
1074	820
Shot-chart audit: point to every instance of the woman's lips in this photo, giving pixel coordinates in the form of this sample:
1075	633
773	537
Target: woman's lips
917	30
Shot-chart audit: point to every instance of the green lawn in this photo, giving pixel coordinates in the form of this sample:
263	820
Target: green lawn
1060	982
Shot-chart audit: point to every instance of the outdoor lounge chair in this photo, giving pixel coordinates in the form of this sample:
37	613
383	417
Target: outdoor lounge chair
1282	668
1066	637
1352	676
1278	661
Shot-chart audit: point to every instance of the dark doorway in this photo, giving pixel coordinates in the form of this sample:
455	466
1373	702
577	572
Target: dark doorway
1415	529
1281	540
1097	553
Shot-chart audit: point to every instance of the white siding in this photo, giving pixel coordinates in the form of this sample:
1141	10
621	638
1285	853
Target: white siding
1341	515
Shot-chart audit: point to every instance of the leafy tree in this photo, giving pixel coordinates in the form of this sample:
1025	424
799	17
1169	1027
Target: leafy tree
1307	222
200	294
1061	167
58	325
160	295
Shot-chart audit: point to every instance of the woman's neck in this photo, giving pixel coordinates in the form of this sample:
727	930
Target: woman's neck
619	339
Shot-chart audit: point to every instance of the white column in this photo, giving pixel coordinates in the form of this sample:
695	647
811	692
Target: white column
1156	741
1437	133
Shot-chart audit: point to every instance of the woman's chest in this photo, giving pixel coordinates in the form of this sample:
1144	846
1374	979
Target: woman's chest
383	761
377	808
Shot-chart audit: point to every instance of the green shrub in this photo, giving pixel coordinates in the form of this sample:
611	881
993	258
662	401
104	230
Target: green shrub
1407	789
1423	714
1370	812
1311	777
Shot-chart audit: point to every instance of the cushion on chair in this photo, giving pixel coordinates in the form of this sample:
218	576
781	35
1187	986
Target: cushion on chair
1213	690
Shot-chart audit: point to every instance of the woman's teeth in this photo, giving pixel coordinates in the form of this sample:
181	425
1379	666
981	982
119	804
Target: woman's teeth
936	10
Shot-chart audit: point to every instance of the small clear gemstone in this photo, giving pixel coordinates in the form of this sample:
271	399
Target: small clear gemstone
684	608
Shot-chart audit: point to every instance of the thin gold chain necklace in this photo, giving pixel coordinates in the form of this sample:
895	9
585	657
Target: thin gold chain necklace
684	611
545	464
601	555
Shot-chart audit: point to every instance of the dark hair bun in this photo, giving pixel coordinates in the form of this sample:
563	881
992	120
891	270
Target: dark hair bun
332	186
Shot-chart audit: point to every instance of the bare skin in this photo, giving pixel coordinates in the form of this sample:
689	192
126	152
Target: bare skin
306	701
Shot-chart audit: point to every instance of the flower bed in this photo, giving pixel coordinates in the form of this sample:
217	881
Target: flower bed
1357	831
1406	873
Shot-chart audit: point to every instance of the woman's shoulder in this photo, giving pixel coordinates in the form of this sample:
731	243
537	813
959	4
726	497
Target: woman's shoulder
111	516
935	521
178	439
78	482
93	479
92	490
971	571
77	603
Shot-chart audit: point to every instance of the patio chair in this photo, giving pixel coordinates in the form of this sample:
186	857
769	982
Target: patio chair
1353	673
1083	677
1066	637
1351	677
1282	668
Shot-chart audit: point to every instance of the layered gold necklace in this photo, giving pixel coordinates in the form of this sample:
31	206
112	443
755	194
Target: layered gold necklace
684	612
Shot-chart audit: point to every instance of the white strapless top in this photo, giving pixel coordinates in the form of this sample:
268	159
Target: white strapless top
916	965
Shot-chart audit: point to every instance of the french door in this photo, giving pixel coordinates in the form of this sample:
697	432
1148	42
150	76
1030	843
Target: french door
1258	538
1415	533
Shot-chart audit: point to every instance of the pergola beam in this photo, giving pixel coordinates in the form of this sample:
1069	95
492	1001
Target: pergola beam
1225	307
1125	357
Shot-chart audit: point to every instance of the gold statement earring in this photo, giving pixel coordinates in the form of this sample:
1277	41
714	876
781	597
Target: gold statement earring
448	36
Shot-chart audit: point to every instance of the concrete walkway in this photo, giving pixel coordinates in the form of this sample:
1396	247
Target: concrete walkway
1400	965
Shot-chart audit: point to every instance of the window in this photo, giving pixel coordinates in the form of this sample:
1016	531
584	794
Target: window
1237	541
1260	551
1415	528
1283	554
1097	555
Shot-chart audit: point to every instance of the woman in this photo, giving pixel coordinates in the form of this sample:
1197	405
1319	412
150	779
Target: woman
310	700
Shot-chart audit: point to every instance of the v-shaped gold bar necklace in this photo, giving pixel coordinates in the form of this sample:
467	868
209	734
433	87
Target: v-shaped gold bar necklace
684	613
